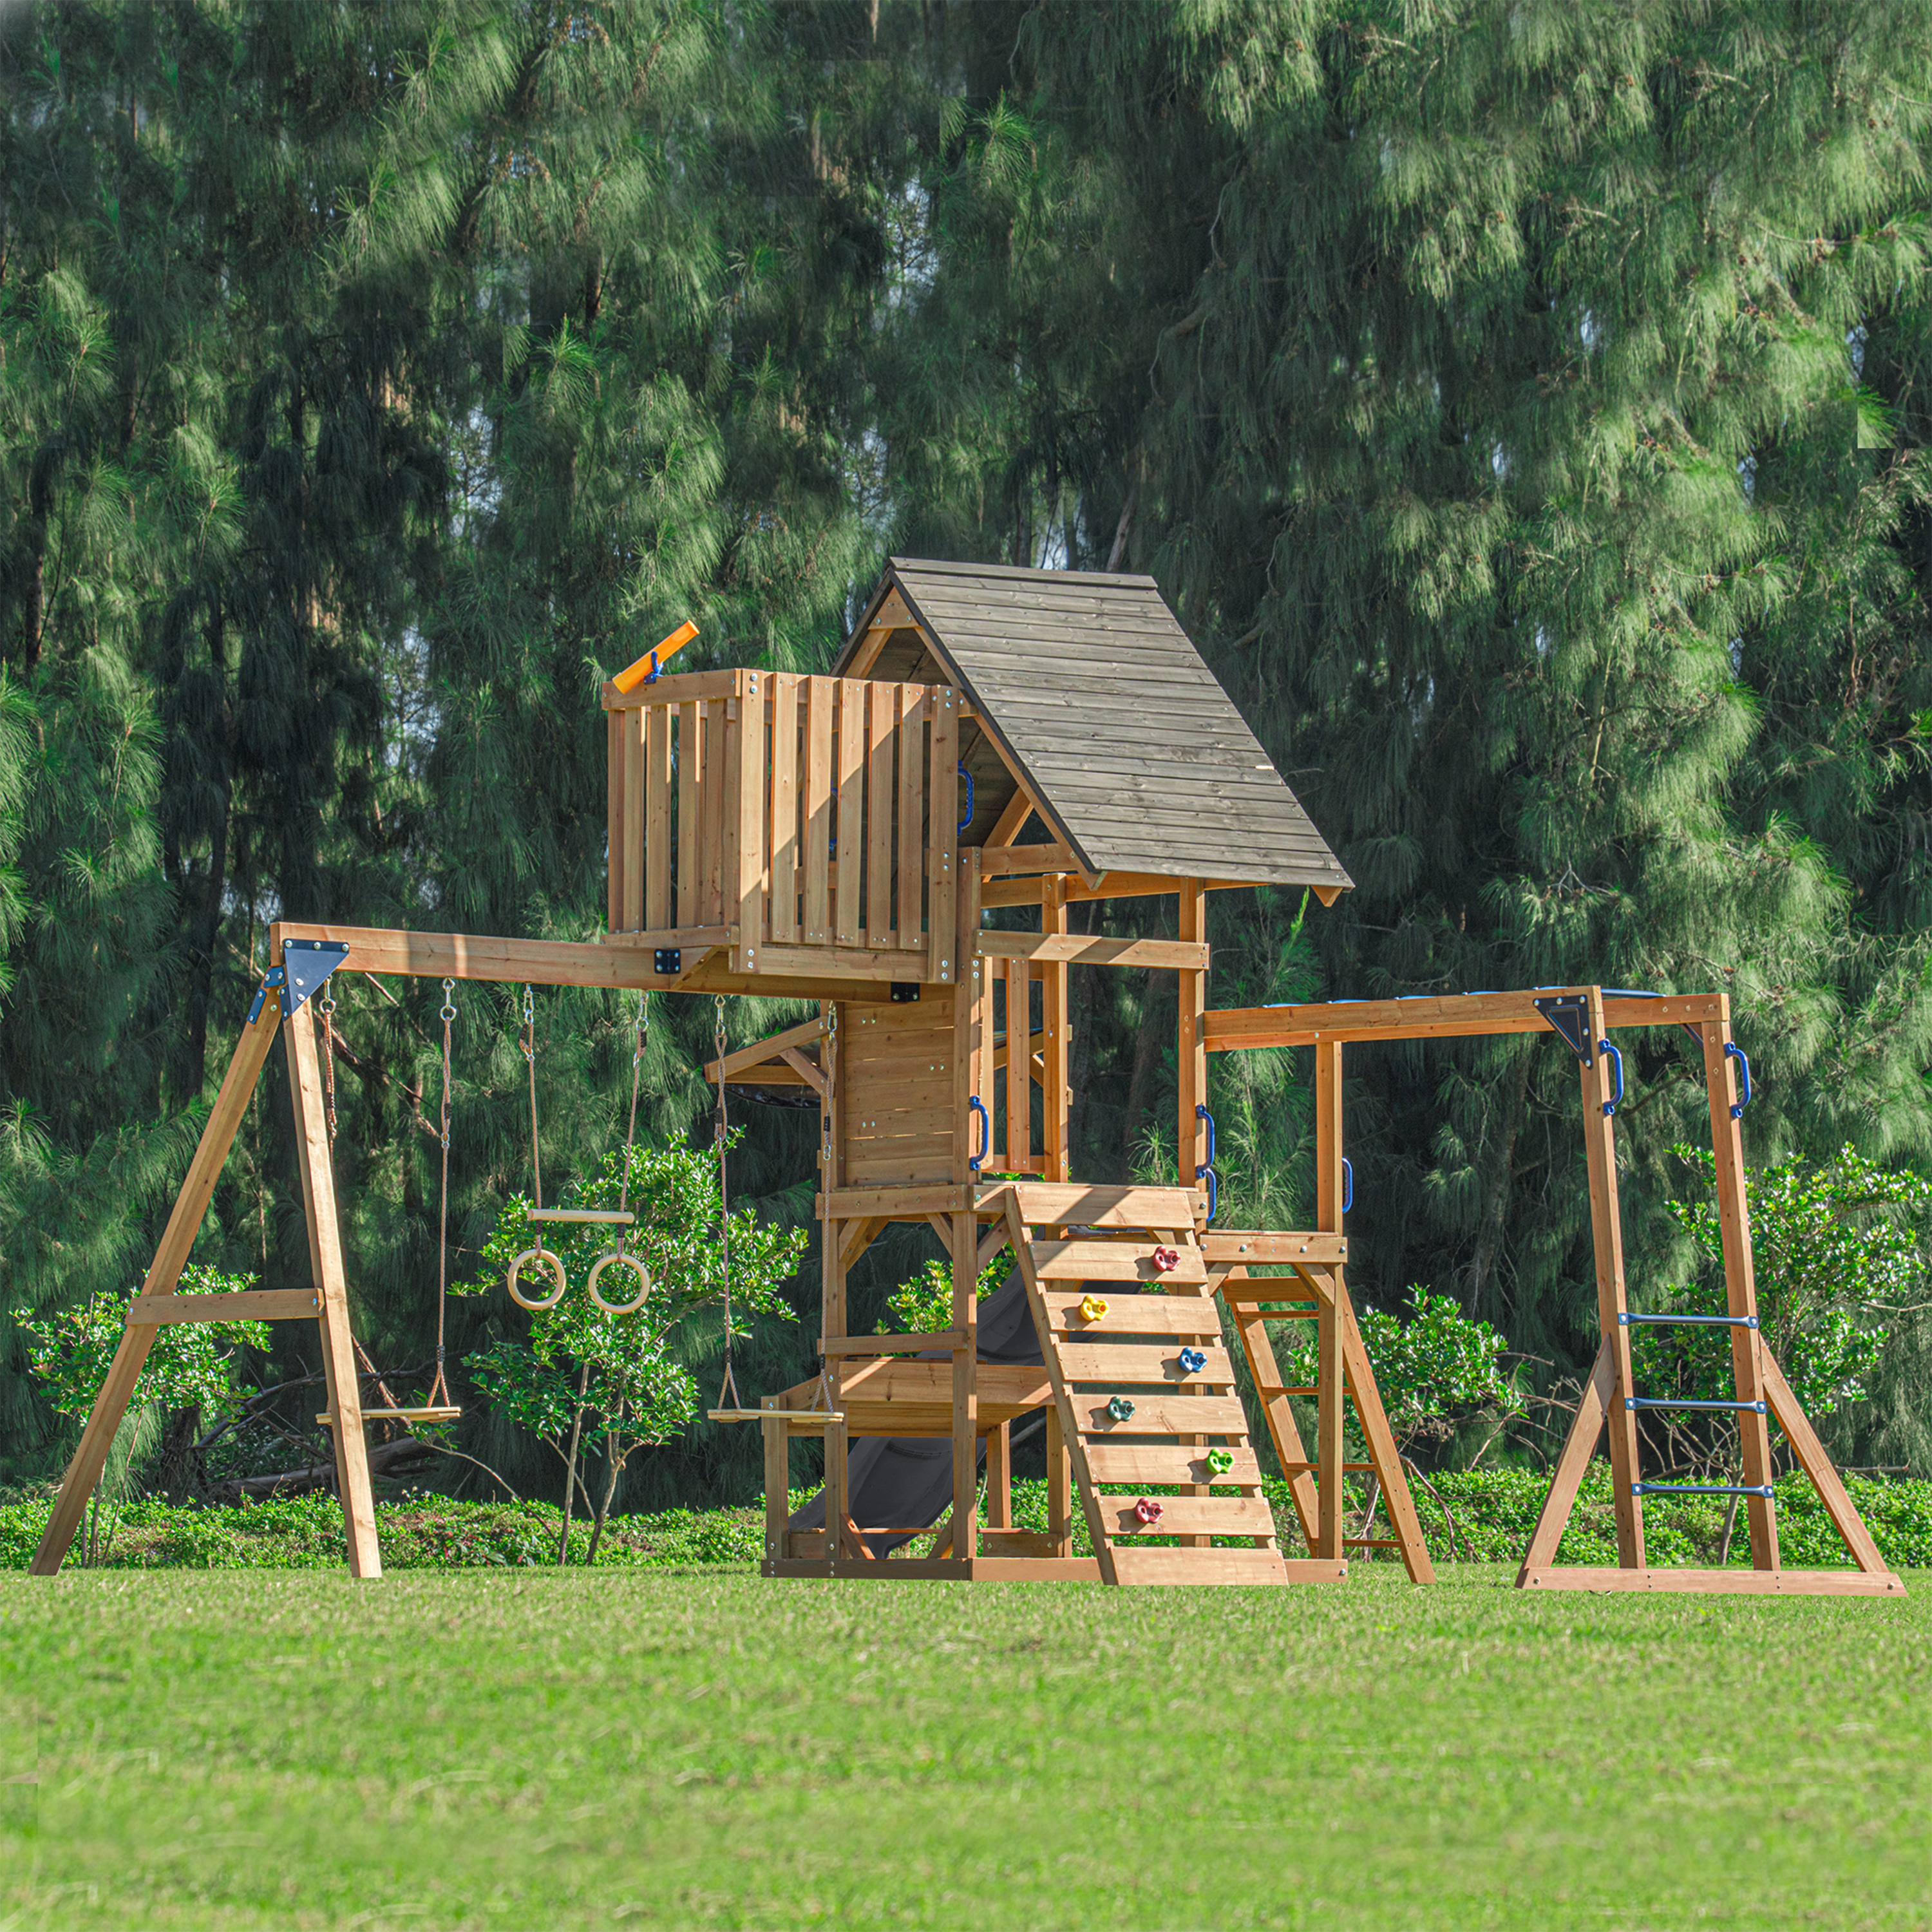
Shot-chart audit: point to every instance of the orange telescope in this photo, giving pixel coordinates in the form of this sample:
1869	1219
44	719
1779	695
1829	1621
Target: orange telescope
652	662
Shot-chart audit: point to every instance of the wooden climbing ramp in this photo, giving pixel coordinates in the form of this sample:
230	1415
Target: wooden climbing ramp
1143	1387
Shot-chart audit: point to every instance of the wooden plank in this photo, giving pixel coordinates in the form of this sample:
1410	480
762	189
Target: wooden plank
1076	949
1720	1582
1059	1485
909	858
942	837
1154	1362
1190	1516
1191	1057
805	1033
1065	1407
690	775
881	719
614	834
177	1243
1117	1261
1741	1291
686	687
965	1028
1200	1566
1579	1446
1010	861
657	779
1130	1314
1816	1463
871	1347
1329	1415
849	756
251	1304
837	964
748	781
1255	1248
1019	1087
910	1203
820	697
340	1371
1167	1463
714	792
1011	821
1055	1094
778	1485
1051	1204
1607	1238
457	955
1162	1412
785	709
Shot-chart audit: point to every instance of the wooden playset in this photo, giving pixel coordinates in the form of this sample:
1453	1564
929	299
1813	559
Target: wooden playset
996	739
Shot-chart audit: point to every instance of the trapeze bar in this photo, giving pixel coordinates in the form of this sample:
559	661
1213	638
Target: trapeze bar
1671	1402
1689	1321
603	1216
1703	1489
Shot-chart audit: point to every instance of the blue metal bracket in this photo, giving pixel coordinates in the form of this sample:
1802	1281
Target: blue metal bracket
1569	1013
307	963
276	980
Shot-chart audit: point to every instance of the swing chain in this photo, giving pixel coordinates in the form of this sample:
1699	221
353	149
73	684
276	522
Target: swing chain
325	1007
530	1060
440	1390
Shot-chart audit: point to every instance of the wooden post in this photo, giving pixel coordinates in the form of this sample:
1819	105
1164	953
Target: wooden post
1328	1376
1000	1476
1740	1286
1054	1094
1059	1487
231	1103
832	1312
1607	1228
1191	1137
964	913
324	1254
778	1485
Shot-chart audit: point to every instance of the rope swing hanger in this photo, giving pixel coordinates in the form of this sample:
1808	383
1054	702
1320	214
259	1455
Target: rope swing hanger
622	1219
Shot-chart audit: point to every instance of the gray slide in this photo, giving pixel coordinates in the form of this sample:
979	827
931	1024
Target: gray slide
907	1480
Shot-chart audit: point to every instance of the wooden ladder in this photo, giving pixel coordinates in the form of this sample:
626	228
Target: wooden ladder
1135	1412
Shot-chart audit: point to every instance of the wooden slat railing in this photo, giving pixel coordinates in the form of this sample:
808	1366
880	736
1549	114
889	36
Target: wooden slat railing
808	823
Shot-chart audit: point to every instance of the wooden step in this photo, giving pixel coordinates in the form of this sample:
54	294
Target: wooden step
1167	1463
1190	1516
1190	1315
1116	1261
1162	1414
1055	1204
1132	1363
1198	1566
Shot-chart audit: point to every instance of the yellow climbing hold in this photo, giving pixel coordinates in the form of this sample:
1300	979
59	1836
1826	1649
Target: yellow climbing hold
1093	1307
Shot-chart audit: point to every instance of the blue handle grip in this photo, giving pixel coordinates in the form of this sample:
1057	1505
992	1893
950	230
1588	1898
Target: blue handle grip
1201	1113
1616	1060
968	777
978	1106
1213	1181
1734	1052
1348	1186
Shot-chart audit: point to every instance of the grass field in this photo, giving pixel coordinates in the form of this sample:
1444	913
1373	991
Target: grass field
538	1750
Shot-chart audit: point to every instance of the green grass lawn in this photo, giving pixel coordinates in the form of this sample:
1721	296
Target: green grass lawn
534	1749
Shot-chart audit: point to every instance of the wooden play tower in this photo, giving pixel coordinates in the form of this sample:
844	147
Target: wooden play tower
993	739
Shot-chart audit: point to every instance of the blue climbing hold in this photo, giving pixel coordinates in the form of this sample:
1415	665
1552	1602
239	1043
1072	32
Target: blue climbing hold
1192	1361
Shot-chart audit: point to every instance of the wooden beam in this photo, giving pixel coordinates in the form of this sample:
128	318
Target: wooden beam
1816	1463
1452	1016
458	955
806	1033
1359	1374
1579	1446
1005	861
252	1304
1022	806
1328	1378
110	1405
1076	949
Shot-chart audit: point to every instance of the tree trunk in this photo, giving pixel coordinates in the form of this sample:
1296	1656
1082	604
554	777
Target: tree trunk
612	1467
570	1467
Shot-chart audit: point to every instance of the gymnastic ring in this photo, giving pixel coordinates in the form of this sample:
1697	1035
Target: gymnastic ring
556	1267
643	1283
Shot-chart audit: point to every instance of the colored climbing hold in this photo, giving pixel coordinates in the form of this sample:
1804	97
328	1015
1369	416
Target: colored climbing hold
1165	1260
1192	1361
1120	1408
1147	1510
1219	1462
1093	1307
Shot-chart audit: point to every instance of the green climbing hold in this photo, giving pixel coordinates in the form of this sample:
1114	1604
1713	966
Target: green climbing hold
1219	1462
1120	1408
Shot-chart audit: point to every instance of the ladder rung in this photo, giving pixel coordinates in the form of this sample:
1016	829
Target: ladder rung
1671	1402
1703	1489
608	1217
1630	1320
1348	1469
439	1414
1370	1542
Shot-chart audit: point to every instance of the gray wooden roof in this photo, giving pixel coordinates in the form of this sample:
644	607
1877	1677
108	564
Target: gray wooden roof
1095	694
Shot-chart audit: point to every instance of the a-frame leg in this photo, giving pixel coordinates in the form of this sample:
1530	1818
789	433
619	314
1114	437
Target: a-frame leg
325	1255
1360	1377
1607	1231
1747	1349
1579	1446
238	1086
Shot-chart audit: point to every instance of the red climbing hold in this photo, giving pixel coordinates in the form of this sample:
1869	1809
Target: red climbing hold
1147	1510
1165	1260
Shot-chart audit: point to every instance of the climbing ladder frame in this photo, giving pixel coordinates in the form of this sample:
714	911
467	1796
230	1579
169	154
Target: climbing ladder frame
1585	1017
